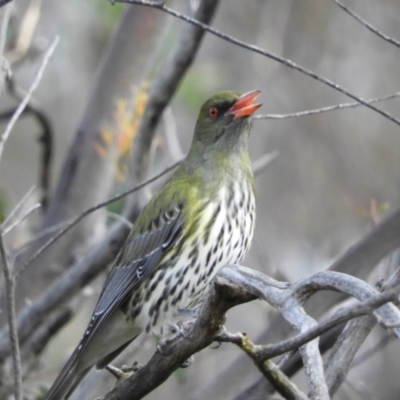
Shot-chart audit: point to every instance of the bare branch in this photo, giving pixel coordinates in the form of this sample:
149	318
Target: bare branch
367	24
256	49
338	317
326	109
12	323
45	139
278	379
352	337
344	350
26	99
234	285
312	359
26	214
18	206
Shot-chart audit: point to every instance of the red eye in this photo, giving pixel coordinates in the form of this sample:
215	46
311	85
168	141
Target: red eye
213	112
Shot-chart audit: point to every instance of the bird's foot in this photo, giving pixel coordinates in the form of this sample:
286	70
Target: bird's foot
123	372
219	338
178	330
188	362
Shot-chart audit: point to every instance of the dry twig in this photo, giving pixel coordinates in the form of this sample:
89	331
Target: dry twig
25	101
326	109
367	24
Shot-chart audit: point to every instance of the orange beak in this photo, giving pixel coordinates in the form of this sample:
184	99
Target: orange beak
244	106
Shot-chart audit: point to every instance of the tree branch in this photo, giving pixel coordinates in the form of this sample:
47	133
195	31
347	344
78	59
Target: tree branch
258	50
276	377
28	95
234	285
341	106
367	24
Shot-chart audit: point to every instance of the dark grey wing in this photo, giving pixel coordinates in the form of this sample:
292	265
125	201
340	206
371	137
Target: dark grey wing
138	259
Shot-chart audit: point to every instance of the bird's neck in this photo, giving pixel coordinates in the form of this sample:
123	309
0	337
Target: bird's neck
219	166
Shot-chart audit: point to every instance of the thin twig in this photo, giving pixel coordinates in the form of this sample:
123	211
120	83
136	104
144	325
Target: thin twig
26	99
325	109
269	369
12	322
285	61
45	139
19	205
72	222
367	24
21	219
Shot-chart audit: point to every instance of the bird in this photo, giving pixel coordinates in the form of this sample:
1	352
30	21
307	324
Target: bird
201	220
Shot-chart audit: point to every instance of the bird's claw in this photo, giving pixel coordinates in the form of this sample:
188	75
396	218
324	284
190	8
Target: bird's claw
217	340
180	330
123	372
188	362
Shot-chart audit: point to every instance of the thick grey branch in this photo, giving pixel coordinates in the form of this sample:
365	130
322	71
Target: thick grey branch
349	342
234	285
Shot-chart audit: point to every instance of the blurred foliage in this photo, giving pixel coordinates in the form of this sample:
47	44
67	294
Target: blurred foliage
375	211
127	116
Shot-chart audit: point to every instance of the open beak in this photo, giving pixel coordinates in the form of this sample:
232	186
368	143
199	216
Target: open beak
244	106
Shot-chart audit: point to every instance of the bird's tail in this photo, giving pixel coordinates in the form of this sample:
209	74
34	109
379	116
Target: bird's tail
68	379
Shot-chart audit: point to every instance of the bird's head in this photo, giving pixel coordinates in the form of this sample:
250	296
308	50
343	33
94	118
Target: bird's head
224	117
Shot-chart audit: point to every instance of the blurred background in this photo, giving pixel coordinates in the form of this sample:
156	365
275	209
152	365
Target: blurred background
313	201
